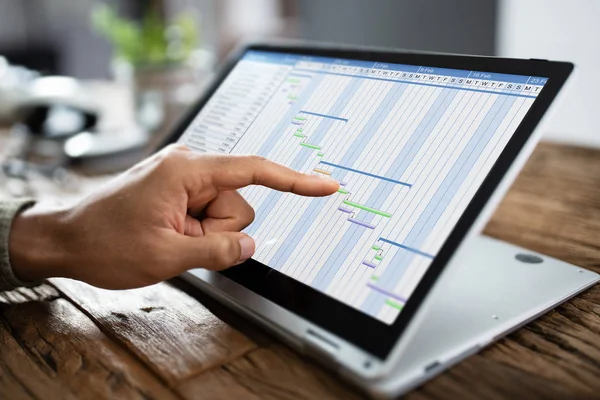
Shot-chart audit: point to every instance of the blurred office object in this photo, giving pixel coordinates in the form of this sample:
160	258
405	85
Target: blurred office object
57	141
570	31
54	37
459	26
117	142
62	28
24	95
15	82
243	21
44	111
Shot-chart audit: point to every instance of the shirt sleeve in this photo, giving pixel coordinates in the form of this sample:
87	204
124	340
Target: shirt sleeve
8	211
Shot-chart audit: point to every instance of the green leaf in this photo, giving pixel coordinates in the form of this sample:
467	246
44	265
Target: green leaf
149	42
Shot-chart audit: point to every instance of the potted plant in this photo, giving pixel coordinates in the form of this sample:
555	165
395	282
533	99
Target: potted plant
153	56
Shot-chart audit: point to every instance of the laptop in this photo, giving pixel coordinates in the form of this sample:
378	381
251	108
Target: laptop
388	281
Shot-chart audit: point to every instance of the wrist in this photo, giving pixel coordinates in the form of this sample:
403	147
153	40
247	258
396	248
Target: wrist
37	244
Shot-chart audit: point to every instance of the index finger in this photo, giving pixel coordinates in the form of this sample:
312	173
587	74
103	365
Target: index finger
230	172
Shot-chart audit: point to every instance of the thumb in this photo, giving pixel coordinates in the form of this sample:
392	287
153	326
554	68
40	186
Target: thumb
215	250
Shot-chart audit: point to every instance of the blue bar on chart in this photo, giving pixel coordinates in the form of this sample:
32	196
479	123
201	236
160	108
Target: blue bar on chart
366	173
324	116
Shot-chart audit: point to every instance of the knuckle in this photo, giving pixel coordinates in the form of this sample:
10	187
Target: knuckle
169	159
297	174
256	158
176	147
254	163
222	161
181	147
218	163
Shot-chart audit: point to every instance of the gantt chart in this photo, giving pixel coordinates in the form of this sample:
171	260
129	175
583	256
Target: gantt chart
409	145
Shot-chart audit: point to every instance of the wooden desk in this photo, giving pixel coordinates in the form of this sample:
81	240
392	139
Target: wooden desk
66	339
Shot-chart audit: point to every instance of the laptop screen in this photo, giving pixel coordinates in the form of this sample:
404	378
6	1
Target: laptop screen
409	145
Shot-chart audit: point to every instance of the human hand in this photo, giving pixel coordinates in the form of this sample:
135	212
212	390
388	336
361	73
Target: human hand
139	230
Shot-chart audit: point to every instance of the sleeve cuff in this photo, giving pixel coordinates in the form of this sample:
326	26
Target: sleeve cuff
8	211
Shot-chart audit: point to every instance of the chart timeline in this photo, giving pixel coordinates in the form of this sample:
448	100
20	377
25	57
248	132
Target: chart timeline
409	146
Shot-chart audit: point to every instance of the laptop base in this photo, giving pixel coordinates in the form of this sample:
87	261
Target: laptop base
502	288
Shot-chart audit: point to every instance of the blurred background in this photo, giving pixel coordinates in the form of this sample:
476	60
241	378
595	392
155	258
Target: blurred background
95	85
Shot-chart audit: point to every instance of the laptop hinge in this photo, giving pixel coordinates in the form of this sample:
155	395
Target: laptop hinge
321	348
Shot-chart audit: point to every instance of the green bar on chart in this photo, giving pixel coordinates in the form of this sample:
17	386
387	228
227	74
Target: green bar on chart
320	154
299	130
393	304
376	248
311	146
342	191
378	258
299	135
374	278
369	209
300	118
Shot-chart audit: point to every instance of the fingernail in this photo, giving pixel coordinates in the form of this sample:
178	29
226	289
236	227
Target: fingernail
247	245
335	181
327	178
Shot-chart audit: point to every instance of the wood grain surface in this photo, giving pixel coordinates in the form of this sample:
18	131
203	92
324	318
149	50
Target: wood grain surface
66	339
